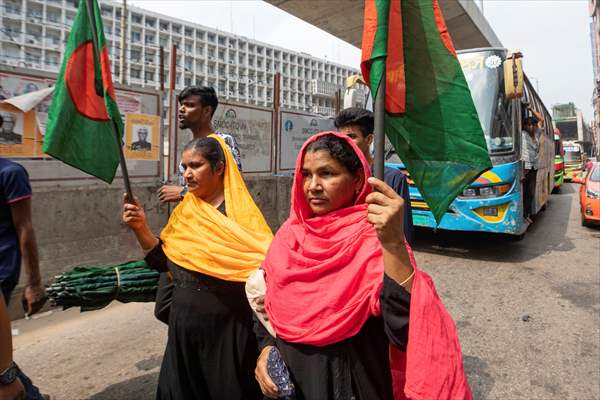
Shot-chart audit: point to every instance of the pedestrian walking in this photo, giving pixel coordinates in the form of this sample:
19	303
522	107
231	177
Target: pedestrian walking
215	238
18	246
342	287
197	106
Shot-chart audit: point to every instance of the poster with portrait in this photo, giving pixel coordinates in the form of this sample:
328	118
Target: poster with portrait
142	137
18	132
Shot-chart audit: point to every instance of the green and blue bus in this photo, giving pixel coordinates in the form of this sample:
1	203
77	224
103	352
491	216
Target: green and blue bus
494	201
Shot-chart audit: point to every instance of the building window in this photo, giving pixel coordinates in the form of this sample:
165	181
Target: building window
135	73
149	76
164	26
136	36
177	28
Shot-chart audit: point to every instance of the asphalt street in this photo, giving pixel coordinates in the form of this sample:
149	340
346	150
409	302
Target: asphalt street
528	315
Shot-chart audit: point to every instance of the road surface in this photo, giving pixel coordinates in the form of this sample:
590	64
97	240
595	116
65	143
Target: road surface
528	315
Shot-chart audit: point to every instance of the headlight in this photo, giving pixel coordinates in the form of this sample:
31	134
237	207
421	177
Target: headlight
592	194
486	191
470	192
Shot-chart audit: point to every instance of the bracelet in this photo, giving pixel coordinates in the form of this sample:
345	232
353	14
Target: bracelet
408	279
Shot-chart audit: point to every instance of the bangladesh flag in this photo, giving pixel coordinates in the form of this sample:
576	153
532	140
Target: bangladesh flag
83	110
430	117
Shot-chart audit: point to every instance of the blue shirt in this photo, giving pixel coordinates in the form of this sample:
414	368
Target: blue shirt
14	186
397	181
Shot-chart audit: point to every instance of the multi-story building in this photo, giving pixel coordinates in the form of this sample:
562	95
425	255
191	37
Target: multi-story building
33	34
569	120
595	39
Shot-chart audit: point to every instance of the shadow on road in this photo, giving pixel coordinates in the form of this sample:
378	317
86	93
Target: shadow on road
547	233
139	388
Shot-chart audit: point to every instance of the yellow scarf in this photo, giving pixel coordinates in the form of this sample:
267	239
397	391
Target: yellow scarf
200	238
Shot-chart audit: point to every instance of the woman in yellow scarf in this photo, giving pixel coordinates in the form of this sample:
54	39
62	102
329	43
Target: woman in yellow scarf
215	238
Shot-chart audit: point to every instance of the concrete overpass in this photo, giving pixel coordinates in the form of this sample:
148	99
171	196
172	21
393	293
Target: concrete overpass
344	19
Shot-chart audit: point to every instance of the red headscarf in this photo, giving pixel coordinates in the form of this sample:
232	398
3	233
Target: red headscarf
323	278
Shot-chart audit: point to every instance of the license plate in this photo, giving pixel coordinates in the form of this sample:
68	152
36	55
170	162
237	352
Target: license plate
422	220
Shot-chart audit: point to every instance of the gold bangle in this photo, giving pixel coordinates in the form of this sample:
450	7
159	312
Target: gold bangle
407	279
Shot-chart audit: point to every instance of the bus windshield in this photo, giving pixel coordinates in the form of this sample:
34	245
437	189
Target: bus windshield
483	72
572	154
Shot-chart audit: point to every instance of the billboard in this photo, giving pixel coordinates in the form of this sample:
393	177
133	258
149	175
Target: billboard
252	128
293	131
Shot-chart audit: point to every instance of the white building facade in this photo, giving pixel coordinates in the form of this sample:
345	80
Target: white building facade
33	34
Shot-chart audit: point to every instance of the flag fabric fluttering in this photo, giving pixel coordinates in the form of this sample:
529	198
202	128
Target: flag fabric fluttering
84	113
430	118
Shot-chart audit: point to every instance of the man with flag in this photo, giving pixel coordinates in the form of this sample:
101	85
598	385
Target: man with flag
84	120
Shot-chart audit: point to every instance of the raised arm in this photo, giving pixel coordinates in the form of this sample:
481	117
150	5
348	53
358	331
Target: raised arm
386	213
135	217
538	115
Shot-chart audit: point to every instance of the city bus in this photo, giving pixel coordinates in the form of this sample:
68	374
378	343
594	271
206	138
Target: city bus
559	160
574	160
494	201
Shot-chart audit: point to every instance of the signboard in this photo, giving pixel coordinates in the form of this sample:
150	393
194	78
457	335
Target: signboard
142	137
252	129
294	130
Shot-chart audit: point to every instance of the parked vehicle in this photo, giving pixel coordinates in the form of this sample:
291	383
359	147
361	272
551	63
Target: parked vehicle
589	196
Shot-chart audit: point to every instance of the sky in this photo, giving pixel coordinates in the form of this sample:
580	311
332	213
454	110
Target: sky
553	35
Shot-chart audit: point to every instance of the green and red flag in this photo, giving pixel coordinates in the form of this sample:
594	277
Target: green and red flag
430	117
80	129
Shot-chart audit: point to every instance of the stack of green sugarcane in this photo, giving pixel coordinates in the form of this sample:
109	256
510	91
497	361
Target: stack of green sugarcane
94	287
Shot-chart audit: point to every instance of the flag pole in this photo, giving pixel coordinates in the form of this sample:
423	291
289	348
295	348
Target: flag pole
99	91
379	129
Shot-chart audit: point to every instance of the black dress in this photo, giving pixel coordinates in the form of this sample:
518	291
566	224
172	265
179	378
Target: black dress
357	368
211	348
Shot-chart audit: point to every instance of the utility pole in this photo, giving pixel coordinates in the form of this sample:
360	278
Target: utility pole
123	68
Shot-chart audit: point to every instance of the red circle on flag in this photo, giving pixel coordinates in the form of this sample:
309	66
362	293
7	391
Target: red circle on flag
79	78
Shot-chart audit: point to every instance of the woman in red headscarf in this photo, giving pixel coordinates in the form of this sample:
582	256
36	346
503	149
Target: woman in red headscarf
342	288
